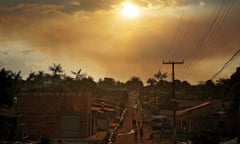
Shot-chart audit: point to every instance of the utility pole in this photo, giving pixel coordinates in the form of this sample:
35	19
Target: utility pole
173	97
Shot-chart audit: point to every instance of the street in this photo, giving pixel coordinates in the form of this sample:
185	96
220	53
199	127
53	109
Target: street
126	131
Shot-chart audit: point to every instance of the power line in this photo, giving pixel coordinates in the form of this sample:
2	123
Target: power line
217	26
202	36
210	31
187	32
234	55
233	62
177	30
174	35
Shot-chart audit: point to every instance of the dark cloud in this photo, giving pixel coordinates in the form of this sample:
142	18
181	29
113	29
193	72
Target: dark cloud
18	7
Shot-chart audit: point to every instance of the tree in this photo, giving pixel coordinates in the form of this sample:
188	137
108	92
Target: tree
56	69
223	88
31	76
160	76
135	83
235	91
107	82
88	84
151	81
9	87
78	75
235	77
210	88
235	102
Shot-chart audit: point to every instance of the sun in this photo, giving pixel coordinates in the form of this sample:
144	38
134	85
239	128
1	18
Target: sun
130	10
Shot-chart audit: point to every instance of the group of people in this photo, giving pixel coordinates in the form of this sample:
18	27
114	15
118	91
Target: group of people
138	128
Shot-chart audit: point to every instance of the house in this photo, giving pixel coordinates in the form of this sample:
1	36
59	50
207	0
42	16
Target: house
105	113
57	115
195	116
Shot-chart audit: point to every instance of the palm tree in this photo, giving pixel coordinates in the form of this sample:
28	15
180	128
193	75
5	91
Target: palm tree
56	69
160	76
78	75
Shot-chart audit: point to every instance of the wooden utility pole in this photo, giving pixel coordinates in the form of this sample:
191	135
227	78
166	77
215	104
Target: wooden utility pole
173	97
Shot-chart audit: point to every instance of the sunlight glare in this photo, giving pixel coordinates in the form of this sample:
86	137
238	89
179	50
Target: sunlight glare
130	10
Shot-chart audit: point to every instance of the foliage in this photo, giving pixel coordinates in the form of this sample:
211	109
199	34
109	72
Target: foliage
235	91
160	76
151	81
135	83
56	69
44	82
61	85
8	87
107	82
227	89
78	75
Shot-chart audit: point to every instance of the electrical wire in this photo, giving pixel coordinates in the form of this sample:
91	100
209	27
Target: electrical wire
234	55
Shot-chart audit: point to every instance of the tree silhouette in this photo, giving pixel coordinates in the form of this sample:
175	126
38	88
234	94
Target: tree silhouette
135	83
9	87
235	91
78	75
31	76
160	76
151	81
56	69
107	83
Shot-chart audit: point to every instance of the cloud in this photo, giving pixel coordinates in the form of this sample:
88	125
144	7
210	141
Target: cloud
105	44
46	7
54	6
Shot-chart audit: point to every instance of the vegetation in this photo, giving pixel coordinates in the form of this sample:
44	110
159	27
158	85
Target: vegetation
58	82
12	83
225	89
8	87
135	83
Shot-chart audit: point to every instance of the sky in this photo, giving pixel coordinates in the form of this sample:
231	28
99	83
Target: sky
97	37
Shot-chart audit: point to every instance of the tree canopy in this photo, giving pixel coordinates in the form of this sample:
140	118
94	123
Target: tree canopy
8	87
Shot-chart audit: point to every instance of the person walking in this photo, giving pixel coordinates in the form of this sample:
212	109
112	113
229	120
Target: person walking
141	133
139	123
133	123
135	133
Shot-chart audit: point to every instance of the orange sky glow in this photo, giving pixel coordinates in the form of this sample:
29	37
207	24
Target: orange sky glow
95	36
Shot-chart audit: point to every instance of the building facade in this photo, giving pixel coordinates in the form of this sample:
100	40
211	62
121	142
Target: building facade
57	115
